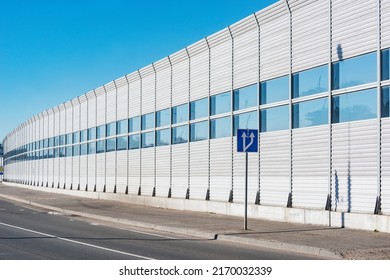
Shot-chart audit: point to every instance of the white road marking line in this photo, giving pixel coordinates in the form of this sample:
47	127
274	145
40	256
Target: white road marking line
76	242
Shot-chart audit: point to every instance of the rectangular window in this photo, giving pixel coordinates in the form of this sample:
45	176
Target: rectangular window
245	97
163	137
83	149
199	109
245	121
111	129
76	137
62	140
69	151
135	124
76	150
354	71
180	134
199	131
134	142
310	81
100	131
83	135
100	146
147	139
163	118
121	143
385	102
56	141
359	105
110	144
51	142
180	114
91	148
69	139
92	133
121	127
62	152
46	143
274	90
276	118
147	121
310	113
51	153
385	64
220	103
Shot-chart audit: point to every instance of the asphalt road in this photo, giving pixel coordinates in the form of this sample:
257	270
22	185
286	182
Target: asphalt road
35	234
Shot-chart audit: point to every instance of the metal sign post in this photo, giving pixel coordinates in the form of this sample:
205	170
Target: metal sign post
247	142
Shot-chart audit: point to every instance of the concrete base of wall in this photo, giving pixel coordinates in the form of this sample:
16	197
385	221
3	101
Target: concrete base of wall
360	221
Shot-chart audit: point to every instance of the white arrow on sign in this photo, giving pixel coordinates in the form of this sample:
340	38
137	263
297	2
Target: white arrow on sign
244	136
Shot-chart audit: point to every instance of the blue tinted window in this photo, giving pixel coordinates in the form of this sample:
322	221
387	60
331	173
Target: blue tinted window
83	149
163	137
273	119
310	81
62	140
51	142
147	139
147	121
92	133
121	143
180	134
111	129
121	127
69	151
76	137
100	131
245	121
354	71
385	64
46	143
180	114
274	90
62	152
310	113
51	153
100	146
354	106
110	144
199	131
76	150
91	148
220	103
135	124
199	108
163	117
56	141
385	102
83	135
134	141
245	97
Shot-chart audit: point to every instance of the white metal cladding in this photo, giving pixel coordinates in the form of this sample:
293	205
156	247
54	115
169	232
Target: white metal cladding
354	166
56	121
163	84
68	172
310	166
134	171
45	127
110	171
354	27
239	175
148	81
147	171
83	171
122	102
51	123
45	177
221	67
75	172
163	170
111	102
62	174
274	167
62	119
180	77
76	115
83	112
199	169
310	43
69	117
56	172
245	52
200	70
134	95
121	171
274	41
91	172
385	23
100	106
100	171
91	106
385	166
179	170
220	169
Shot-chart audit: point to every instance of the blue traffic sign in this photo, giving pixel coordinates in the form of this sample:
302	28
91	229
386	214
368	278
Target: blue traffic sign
1	173
247	140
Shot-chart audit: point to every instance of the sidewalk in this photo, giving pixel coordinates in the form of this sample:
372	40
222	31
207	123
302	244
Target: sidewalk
332	243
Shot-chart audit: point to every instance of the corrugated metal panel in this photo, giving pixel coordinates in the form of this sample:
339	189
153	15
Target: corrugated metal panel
274	168
385	165
91	101
69	117
148	81
69	172
62	119
56	173
310	163
239	175
354	27
110	171
121	171
179	170
163	84
62	174
385	23
245	52
134	95
45	176
50	123
220	169
147	171
163	171
199	169
76	115
274	41
91	172
56	121
134	171
354	166
100	106
221	65
310	41
83	112
75	172
83	171
180	78
122	102
111	102
200	70
100	171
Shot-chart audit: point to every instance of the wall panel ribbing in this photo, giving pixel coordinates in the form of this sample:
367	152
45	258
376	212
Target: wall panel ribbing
163	84
385	23
385	165
121	171
147	171
200	70
91	172
122	100
163	173
91	100
179	170
148	89
199	169
134	171
100	171
83	171
180	78
110	171
111	102
83	112
100	106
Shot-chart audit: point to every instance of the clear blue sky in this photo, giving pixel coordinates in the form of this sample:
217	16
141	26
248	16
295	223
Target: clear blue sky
54	50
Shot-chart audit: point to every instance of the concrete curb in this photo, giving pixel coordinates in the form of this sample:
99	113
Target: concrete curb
262	243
